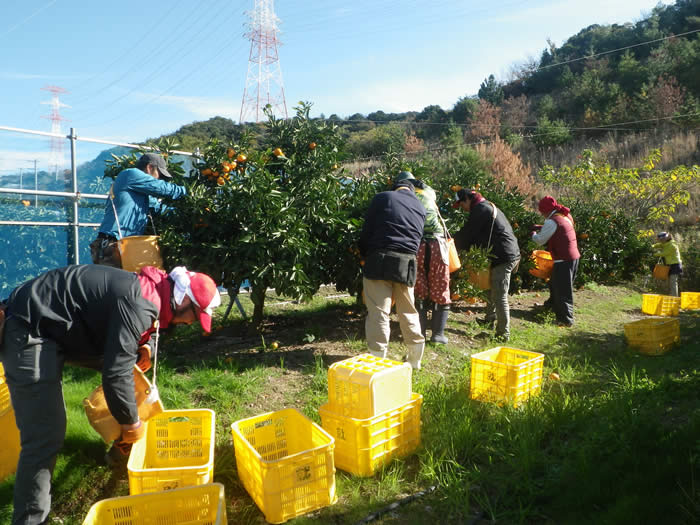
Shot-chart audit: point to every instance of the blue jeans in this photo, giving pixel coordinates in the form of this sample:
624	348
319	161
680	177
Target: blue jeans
33	369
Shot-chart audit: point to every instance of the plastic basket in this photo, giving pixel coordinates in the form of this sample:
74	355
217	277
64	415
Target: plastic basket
481	279
364	445
543	264
138	251
9	444
202	505
690	300
654	304
653	336
505	375
365	386
5	403
285	462
178	451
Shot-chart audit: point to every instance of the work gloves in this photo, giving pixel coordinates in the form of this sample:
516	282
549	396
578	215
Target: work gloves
143	358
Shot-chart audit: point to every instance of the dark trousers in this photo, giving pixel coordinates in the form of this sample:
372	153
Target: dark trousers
33	369
561	286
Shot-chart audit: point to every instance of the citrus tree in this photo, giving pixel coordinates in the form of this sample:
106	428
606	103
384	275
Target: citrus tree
279	214
645	192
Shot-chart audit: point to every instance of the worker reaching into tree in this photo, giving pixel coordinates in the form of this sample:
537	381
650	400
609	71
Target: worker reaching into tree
133	196
389	242
432	288
94	316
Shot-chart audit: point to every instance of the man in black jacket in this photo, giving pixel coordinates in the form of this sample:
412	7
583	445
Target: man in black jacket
487	227
95	316
389	242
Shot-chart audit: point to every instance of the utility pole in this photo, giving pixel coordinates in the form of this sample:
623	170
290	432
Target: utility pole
56	155
263	84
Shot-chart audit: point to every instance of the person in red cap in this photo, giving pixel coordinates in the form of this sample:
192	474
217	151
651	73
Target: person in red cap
94	316
559	234
488	228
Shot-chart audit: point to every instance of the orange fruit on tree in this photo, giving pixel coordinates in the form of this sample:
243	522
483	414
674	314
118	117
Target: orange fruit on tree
584	236
312	145
455	188
230	153
220	181
241	158
233	164
206	172
225	167
277	152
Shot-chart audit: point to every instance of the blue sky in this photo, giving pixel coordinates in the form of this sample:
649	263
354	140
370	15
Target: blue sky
139	69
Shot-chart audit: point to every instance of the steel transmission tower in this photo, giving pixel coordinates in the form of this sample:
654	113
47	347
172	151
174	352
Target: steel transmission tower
56	155
263	83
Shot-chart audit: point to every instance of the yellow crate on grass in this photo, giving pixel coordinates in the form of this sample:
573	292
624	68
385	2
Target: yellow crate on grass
653	336
178	451
9	444
365	386
690	300
362	446
201	505
655	304
505	375
285	462
5	403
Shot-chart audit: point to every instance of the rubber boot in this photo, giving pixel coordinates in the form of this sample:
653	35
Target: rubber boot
422	315
415	354
440	314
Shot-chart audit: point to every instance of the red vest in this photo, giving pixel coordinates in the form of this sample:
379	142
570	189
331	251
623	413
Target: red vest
562	245
156	288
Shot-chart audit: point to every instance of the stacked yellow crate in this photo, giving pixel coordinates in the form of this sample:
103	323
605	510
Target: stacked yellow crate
9	437
371	412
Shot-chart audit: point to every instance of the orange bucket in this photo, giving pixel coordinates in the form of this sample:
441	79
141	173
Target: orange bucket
543	264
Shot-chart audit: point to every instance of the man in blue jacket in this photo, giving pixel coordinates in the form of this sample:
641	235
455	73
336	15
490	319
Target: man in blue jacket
134	193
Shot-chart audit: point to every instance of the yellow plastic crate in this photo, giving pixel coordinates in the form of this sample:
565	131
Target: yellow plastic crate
362	446
5	403
202	505
653	336
365	386
9	444
654	304
285	462
505	375
690	300
178	451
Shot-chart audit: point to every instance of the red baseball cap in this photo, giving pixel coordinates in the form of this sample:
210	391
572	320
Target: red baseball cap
206	296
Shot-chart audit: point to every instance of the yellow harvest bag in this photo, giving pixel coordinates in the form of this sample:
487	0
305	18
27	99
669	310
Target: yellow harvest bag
102	420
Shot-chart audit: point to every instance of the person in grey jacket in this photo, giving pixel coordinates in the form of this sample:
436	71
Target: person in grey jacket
488	228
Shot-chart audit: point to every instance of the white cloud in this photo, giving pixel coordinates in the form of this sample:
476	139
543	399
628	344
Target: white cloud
11	161
199	107
397	95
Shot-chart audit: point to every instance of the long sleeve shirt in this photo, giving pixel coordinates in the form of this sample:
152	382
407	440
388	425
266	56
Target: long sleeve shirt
135	193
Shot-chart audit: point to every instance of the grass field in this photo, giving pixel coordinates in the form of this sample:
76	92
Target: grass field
615	439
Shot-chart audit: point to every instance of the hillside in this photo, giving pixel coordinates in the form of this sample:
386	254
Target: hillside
645	75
